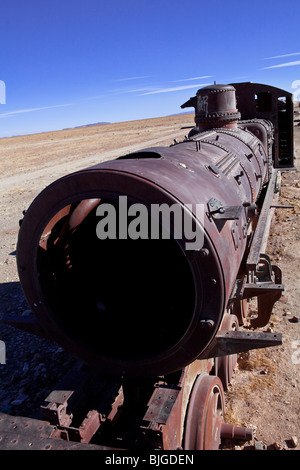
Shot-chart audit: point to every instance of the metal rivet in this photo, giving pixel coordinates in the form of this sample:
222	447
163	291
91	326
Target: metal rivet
204	252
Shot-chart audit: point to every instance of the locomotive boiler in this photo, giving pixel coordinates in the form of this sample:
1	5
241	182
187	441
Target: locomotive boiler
143	266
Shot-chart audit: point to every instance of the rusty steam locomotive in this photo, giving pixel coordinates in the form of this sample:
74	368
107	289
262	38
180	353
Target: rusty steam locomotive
160	319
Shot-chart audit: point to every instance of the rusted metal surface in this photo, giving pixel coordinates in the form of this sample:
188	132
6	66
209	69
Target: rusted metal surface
230	431
239	308
19	433
80	404
162	402
173	431
161	422
259	235
225	365
205	414
152	318
73	272
84	433
205	426
166	422
215	106
232	342
255	100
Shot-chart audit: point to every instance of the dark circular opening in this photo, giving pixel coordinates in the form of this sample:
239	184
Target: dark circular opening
124	299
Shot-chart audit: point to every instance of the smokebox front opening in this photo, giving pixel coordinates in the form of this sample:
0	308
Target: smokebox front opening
122	298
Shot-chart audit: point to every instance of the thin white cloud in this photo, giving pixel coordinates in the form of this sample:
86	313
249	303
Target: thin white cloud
280	56
30	110
177	88
119	91
286	64
131	78
137	90
194	78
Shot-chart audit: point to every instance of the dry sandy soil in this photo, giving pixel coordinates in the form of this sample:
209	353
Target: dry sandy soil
264	391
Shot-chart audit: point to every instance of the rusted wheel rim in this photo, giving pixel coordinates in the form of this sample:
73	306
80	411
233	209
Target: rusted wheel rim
232	323
205	413
225	365
224	370
240	309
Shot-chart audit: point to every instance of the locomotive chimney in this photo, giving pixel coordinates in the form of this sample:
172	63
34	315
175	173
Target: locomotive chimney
215	107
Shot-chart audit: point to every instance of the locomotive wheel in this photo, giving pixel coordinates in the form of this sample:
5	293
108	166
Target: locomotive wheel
205	412
225	365
240	309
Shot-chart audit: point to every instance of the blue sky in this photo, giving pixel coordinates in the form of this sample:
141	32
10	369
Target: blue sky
66	63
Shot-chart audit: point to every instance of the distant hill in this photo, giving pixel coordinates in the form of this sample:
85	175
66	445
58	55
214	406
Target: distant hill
102	123
179	114
94	124
86	125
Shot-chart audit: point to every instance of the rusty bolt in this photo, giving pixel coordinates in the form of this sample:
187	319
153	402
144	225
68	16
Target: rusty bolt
204	252
206	323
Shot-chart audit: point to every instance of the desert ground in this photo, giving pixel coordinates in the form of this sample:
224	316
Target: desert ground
264	393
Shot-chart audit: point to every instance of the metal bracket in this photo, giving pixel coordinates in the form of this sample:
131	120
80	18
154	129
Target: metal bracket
232	342
263	283
256	290
220	212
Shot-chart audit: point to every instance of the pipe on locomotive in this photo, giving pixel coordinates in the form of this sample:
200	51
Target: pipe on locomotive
146	306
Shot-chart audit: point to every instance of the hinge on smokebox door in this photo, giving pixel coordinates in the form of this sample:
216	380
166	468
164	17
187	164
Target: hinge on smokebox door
222	213
219	212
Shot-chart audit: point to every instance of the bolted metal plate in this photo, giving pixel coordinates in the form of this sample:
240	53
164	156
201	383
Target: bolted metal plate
19	433
161	404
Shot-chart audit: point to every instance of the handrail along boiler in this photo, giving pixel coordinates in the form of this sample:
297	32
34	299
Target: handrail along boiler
165	321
